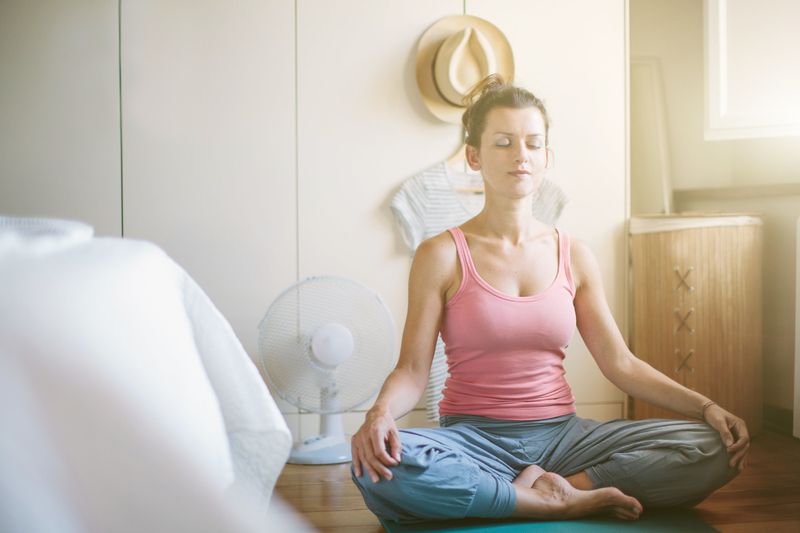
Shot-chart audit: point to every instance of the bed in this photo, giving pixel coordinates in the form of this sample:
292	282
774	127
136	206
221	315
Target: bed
127	402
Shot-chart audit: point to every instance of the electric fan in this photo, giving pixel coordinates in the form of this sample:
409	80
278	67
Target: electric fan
326	344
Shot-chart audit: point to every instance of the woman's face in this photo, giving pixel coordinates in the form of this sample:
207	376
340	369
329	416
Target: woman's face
513	155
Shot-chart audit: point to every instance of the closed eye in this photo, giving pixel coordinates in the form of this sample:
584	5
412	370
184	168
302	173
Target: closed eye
506	143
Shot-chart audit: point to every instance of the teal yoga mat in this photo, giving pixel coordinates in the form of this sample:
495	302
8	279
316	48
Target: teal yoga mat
672	520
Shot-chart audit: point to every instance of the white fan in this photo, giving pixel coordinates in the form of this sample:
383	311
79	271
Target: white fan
326	344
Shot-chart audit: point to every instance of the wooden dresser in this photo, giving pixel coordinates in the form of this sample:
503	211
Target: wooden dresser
696	284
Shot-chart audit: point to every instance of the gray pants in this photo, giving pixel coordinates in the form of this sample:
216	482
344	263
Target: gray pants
465	468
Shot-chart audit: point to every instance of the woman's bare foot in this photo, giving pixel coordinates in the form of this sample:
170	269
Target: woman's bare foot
528	476
552	497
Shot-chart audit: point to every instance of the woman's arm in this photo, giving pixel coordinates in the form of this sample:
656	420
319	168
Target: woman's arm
432	272
632	375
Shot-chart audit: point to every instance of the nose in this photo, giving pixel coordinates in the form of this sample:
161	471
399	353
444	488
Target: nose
521	153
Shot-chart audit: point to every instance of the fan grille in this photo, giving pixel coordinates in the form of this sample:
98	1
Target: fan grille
285	344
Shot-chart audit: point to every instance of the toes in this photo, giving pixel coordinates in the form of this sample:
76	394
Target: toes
622	505
625	513
634	505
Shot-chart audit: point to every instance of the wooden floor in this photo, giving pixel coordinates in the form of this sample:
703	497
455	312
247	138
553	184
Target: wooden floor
765	497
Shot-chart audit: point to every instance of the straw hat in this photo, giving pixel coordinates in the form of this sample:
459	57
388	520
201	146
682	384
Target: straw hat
453	55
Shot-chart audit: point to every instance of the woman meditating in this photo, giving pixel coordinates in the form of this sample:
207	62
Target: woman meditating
506	292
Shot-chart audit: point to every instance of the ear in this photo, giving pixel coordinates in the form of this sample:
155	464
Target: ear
472	157
549	158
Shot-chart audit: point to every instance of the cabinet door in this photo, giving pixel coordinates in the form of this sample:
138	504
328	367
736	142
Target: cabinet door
697	314
728	338
663	311
59	111
208	100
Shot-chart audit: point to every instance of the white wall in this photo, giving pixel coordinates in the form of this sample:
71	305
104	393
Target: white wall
672	32
262	144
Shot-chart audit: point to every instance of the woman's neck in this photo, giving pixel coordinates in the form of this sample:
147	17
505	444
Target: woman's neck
507	219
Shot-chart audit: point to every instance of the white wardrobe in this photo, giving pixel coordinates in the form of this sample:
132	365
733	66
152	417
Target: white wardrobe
261	142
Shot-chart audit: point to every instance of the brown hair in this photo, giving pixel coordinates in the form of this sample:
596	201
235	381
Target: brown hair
493	91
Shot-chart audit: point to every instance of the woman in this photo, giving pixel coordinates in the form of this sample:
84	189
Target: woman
507	291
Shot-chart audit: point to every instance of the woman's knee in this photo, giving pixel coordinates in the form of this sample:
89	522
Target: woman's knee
706	467
714	470
430	482
714	459
385	497
682	470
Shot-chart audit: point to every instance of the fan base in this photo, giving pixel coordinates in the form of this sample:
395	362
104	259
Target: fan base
321	450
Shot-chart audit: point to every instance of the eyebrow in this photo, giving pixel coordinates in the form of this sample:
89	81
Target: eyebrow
507	133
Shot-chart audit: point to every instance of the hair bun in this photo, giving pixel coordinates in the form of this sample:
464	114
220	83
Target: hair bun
492	82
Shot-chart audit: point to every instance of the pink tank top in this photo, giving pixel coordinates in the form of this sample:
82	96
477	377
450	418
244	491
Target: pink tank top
505	353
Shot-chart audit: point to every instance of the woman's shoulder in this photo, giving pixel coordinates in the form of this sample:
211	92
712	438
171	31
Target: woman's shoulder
440	247
583	262
434	264
578	247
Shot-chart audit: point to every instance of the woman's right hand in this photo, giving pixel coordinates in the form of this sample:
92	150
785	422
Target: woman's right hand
369	445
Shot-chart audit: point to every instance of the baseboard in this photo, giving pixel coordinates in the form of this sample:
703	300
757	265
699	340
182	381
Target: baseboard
304	425
778	419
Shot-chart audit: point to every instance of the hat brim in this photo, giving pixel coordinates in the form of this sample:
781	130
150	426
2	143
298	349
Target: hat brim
429	44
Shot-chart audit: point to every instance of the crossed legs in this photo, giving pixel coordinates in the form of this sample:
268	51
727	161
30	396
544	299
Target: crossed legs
585	468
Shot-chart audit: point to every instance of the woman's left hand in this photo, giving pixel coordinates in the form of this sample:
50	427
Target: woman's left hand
733	431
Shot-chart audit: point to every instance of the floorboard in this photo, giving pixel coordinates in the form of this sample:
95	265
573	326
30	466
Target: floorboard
765	497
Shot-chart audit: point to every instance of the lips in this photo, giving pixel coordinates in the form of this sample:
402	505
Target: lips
520	173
